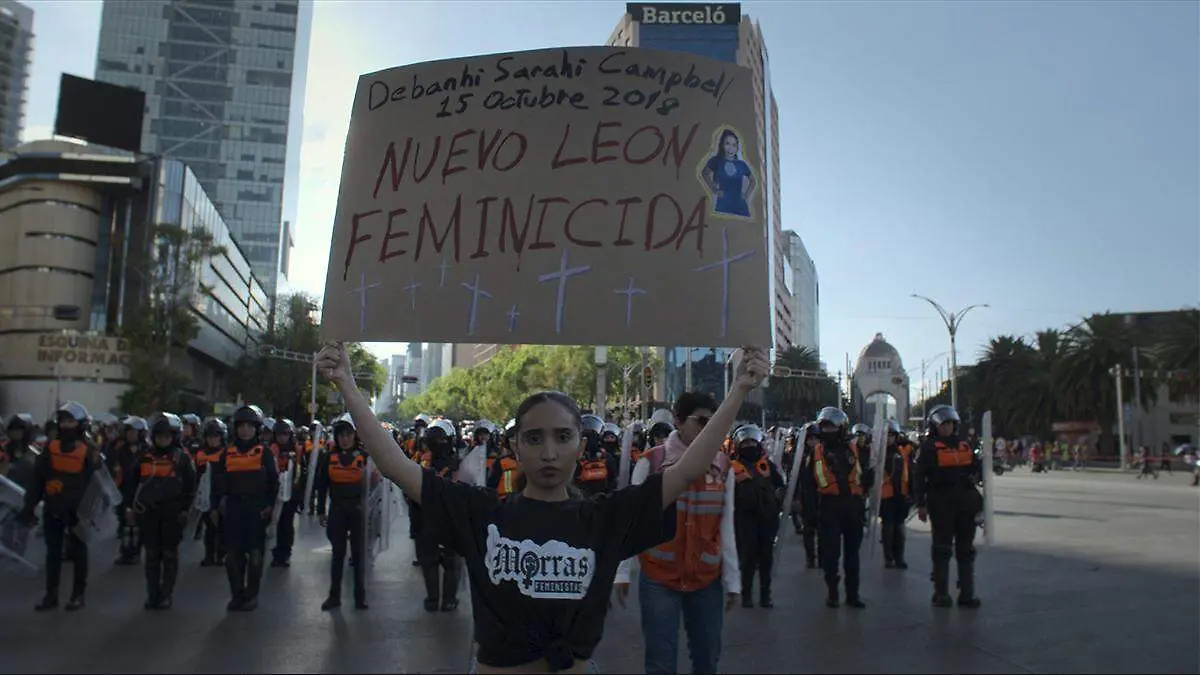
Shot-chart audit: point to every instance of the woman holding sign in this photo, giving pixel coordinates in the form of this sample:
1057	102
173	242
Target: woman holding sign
542	562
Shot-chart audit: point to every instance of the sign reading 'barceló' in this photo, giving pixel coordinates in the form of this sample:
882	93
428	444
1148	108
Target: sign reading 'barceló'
593	195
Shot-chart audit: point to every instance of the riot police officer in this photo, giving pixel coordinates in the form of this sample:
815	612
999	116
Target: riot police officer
839	482
946	474
215	438
18	456
757	499
245	484
895	497
341	476
122	458
162	487
285	451
61	474
596	471
440	458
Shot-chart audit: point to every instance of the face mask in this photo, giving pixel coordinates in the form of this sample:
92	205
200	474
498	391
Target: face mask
593	444
439	446
750	453
830	437
68	435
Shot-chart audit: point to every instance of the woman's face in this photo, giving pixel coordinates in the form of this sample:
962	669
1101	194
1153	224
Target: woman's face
346	438
548	444
213	440
730	146
946	429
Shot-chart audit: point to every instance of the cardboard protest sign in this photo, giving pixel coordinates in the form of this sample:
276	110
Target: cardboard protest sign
592	195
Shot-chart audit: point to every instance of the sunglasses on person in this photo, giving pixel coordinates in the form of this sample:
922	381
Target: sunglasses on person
700	419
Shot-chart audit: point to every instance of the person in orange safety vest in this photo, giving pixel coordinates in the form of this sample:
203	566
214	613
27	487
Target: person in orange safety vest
895	495
596	472
757	502
341	480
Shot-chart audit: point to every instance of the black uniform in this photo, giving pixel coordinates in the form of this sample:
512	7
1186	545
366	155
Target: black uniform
245	483
341	480
121	458
806	498
61	474
945	477
896	502
757	503
597	471
433	549
285	530
162	487
839	483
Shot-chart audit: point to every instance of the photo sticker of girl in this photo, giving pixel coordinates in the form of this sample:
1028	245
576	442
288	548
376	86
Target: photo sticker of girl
727	176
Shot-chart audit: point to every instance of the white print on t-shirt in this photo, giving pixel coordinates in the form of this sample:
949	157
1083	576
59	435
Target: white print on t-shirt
552	570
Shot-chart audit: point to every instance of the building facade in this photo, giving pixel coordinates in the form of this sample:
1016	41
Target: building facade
16	57
77	245
806	295
219	81
720	31
393	389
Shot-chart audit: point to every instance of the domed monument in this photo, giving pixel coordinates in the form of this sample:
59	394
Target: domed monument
879	371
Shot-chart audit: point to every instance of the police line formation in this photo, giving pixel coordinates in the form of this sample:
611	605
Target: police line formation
547	515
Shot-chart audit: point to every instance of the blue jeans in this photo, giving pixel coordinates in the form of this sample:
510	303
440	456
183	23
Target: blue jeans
703	614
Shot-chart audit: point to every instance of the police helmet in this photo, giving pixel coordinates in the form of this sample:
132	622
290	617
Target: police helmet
942	413
343	420
268	423
166	423
834	416
284	426
484	426
748	432
440	427
639	428
213	426
893	427
20	421
421	420
136	423
591	423
75	411
610	428
860	429
661	429
191	419
248	414
663	415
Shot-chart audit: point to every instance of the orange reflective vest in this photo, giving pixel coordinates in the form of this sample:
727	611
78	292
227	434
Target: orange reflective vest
237	462
66	467
903	451
692	560
741	473
948	457
508	476
206	455
826	482
340	474
155	466
593	470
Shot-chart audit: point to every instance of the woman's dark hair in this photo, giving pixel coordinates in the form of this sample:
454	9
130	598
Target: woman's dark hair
549	397
691	401
728	133
535	399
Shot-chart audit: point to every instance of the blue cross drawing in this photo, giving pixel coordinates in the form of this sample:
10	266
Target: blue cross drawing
561	276
629	291
443	267
363	288
512	318
411	289
724	263
476	291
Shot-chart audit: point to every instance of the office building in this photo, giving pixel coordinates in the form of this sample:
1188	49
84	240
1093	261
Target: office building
415	364
16	57
77	246
720	31
221	82
806	295
393	389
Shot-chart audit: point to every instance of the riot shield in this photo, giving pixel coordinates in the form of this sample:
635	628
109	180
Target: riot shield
878	451
286	480
203	501
793	484
14	536
97	509
318	442
624	467
989	476
373	516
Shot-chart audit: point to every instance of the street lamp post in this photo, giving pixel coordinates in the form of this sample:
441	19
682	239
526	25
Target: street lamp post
952	320
601	380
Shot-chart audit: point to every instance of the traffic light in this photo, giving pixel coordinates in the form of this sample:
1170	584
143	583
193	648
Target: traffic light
648	377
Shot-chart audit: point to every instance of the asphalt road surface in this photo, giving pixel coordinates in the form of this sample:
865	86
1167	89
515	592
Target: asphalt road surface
1093	572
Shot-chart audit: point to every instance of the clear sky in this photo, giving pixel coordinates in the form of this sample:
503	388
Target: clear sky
1041	157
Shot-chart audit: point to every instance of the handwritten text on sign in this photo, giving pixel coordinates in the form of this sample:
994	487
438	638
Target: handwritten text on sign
572	196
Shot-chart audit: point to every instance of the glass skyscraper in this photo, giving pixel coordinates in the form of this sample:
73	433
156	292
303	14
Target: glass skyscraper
219	77
736	40
16	50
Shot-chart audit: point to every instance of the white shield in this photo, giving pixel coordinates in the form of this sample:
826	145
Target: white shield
989	478
97	509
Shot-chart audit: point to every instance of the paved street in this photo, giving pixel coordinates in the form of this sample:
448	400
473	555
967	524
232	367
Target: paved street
1094	572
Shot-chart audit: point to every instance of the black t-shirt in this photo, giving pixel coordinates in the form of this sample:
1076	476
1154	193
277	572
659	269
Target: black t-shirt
541	572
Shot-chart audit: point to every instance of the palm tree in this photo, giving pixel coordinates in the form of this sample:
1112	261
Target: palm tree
801	397
1088	389
999	381
1177	349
